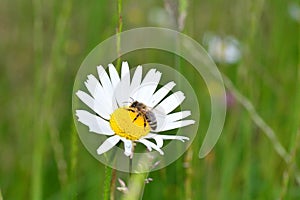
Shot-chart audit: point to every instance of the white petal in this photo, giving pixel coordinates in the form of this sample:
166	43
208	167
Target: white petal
150	145
141	140
93	104
145	91
108	144
125	72
177	116
161	93
150	83
174	125
159	138
96	124
114	76
92	84
122	91
164	121
107	86
88	100
105	81
159	141
172	137
171	102
136	79
127	146
97	91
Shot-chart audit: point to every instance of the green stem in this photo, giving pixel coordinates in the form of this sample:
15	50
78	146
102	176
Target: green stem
136	187
1	198
189	174
130	166
113	184
73	162
295	138
109	178
36	170
107	181
290	167
37	164
257	119
119	30
44	100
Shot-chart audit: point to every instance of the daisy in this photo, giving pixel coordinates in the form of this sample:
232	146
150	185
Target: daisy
223	50
112	100
294	11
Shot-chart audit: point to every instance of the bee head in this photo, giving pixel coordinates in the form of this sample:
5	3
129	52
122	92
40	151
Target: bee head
134	104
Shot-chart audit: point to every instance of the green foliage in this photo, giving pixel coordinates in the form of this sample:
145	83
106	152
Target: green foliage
42	46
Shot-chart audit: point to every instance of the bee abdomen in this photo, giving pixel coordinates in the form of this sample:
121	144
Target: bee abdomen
152	124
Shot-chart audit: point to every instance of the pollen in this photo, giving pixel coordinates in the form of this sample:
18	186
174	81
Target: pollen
123	124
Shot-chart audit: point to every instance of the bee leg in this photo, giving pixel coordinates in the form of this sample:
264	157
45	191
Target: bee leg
129	109
136	117
145	120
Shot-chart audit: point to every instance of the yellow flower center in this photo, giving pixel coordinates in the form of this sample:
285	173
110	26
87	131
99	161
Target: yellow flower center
123	124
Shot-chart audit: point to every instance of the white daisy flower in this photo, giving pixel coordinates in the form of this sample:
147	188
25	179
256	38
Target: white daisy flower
131	110
222	50
294	11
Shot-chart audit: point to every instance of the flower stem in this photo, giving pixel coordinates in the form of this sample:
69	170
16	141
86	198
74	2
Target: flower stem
110	174
119	30
136	186
107	181
110	178
189	174
113	184
130	166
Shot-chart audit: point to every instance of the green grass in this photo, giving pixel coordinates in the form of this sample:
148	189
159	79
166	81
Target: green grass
42	45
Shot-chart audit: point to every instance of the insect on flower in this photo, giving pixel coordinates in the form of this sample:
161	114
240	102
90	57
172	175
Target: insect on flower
138	121
142	110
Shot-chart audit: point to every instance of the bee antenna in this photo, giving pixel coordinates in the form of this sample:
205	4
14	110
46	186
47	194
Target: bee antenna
132	100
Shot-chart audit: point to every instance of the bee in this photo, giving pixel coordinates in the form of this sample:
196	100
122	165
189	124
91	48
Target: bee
142	110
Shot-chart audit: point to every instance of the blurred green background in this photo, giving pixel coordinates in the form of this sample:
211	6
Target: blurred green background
42	44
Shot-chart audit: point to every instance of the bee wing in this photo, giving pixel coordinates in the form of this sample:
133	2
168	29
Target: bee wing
160	119
157	111
150	115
